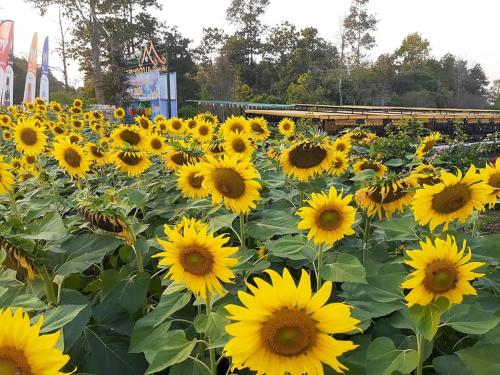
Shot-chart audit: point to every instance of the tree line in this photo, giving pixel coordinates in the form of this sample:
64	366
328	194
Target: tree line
264	63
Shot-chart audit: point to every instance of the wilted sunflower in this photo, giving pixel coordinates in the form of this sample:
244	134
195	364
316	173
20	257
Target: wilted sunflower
119	113
342	144
197	258
175	125
425	174
175	158
455	198
235	124
6	178
71	157
258	128
29	138
329	217
238	145
97	154
203	131
133	163
386	197
23	350
304	160
441	270
364	164
144	122
156	144
283	328
232	181
286	126
427	144
340	164
129	135
214	148
491	175
189	181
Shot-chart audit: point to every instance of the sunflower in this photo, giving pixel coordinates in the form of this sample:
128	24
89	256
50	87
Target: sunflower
304	160
272	153
144	122
119	113
23	350
5	121
97	154
29	162
441	270
427	144
189	181
379	168
197	258
175	125
258	128
55	106
339	165
285	328
208	117
16	164
175	158
156	144
203	131
490	174
74	137
133	163
30	139
78	103
455	198
286	126
215	149
71	157
361	137
342	144
329	217
77	123
6	135
232	181
238	145
129	135
191	123
6	177
425	174
161	126
386	197
235	124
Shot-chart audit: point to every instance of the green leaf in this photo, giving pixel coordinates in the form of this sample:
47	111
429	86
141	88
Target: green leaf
292	247
450	365
60	316
398	228
471	319
213	326
385	286
129	291
383	358
49	228
274	223
481	359
427	318
80	252
175	349
17	297
345	268
394	162
222	221
367	174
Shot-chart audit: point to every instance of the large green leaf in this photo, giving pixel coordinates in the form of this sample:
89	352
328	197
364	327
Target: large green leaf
273	223
481	359
383	358
213	326
222	221
129	291
59	316
471	319
49	228
450	365
80	252
344	268
17	297
292	247
398	228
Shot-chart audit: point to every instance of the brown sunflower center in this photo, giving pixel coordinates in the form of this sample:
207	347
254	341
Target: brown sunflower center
195	180
191	124
338	163
74	138
216	149
238	145
119	112
144	123
289	332
156	144
440	276
340	147
203	130
329	219
176	125
256	128
229	183
180	158
428	146
13	362
129	158
286	126
197	261
30	159
390	194
451	199
237	128
367	165
29	136
58	130
131	137
72	157
306	156
96	152
494	180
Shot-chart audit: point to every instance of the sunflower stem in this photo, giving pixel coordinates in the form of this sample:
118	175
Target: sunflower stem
242	231
366	236
321	250
211	351
49	286
420	351
138	259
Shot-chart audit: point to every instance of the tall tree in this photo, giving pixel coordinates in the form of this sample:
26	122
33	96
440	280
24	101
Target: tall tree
359	26
414	50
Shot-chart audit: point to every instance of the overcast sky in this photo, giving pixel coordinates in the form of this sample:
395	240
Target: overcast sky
469	29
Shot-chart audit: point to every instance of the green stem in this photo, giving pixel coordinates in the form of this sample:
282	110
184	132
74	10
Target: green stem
242	231
211	351
320	265
138	259
49	286
474	224
366	236
420	350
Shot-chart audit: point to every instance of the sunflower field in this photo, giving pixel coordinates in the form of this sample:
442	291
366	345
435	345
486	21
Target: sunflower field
199	246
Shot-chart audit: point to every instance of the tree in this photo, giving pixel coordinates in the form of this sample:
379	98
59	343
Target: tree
494	94
359	25
414	50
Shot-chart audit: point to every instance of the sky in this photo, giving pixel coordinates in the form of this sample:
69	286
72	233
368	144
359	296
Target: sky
464	28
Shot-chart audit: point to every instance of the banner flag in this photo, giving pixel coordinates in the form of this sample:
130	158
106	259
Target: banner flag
44	77
30	85
6	42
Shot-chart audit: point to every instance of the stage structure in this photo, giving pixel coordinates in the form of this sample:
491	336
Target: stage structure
6	63
152	89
